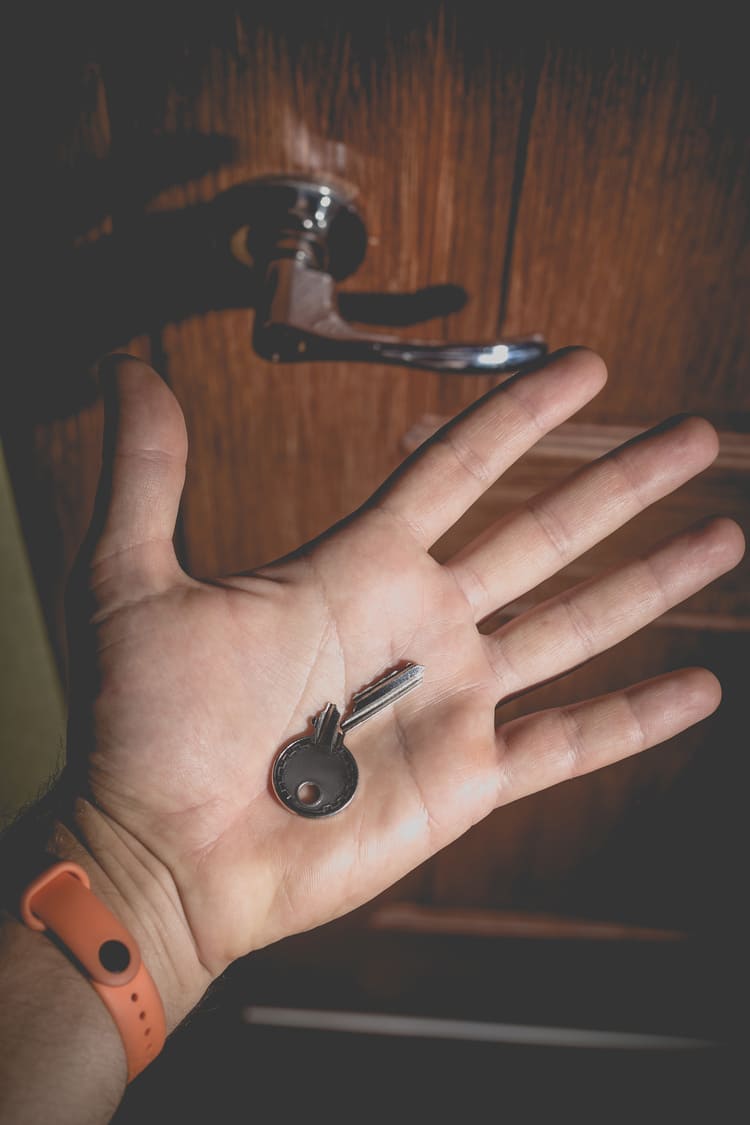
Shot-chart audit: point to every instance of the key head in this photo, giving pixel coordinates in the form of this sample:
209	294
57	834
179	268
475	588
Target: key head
314	781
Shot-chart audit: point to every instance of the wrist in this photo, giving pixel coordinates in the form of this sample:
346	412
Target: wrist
142	894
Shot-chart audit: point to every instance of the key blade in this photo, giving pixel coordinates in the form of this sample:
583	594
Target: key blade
382	693
403	679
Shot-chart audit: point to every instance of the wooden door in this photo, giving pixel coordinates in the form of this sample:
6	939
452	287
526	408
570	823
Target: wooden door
594	192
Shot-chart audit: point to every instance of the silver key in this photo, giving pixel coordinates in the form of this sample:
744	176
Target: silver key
317	775
382	693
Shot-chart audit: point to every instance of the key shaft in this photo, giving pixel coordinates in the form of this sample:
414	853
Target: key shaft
382	694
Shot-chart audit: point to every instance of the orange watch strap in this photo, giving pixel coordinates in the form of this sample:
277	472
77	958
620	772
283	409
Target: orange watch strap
61	900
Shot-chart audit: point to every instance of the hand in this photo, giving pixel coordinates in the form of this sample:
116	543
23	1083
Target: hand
191	688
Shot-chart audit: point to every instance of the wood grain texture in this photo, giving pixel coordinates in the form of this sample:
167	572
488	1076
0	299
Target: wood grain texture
632	232
293	448
595	193
411	918
724	488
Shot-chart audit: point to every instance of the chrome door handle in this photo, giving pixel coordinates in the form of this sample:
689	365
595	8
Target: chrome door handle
304	236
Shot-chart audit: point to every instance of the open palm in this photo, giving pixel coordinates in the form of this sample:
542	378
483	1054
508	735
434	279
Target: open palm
193	687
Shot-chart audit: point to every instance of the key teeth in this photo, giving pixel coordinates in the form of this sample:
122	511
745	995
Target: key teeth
326	726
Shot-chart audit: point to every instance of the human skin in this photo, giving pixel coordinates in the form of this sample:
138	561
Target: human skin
183	692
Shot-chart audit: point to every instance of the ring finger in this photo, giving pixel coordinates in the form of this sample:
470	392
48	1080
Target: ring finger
532	543
572	627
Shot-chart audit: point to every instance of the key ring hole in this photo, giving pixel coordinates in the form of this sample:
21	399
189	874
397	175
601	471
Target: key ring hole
308	793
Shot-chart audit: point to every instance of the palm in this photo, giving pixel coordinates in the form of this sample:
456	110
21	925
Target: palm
202	684
206	809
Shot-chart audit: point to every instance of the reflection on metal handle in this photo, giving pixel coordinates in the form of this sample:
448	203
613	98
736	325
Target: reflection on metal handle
301	321
305	236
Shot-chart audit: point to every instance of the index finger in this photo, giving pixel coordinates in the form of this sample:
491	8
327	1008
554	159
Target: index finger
441	479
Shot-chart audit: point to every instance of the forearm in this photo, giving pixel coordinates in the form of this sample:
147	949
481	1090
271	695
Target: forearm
61	1056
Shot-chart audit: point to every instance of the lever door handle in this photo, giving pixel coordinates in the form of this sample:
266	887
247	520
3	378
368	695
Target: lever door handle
304	236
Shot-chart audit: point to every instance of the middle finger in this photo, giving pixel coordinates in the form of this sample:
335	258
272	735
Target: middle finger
533	542
572	627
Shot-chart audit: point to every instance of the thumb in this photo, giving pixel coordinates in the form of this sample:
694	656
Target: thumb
129	545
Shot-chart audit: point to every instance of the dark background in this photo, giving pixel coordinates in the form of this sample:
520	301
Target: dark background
548	170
